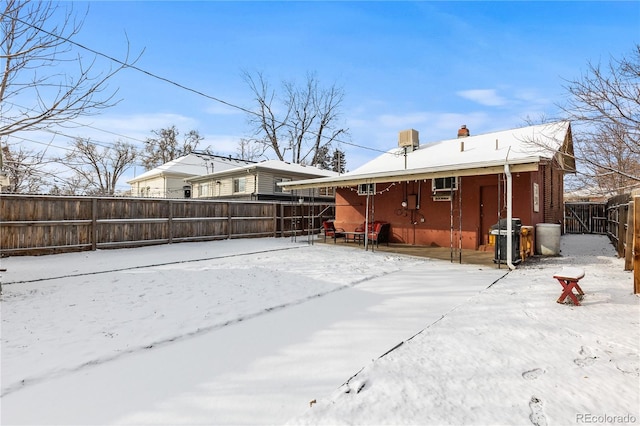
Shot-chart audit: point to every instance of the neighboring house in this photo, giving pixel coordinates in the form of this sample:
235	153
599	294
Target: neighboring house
587	195
450	193
167	180
259	181
4	181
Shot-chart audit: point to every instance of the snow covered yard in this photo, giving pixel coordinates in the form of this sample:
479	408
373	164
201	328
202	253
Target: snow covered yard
106	304
512	355
506	354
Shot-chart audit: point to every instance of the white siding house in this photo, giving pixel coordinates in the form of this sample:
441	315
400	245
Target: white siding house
259	181
168	180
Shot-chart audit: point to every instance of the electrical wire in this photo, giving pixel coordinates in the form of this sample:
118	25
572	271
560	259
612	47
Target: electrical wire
172	82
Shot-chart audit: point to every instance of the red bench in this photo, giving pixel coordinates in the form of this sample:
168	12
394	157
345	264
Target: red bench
568	279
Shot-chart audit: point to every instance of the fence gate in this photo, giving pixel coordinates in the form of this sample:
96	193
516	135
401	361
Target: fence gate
585	218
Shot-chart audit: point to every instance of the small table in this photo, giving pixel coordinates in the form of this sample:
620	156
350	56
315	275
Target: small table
354	236
568	279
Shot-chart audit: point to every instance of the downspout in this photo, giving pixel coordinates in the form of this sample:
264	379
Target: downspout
507	173
255	186
366	223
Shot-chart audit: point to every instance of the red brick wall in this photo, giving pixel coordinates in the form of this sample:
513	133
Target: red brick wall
430	222
553	182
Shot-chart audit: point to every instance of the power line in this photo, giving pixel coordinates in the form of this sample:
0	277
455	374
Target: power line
79	125
172	82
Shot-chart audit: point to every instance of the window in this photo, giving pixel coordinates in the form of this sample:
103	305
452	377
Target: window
278	189
444	184
203	190
327	190
239	184
366	189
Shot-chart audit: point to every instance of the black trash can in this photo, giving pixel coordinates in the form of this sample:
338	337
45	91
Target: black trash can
499	230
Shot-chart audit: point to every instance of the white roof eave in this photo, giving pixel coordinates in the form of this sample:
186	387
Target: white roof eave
468	169
159	174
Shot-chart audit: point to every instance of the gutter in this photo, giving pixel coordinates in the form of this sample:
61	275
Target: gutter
471	169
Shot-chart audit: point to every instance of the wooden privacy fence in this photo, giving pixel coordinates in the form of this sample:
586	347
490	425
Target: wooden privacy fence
52	224
619	222
585	218
611	218
619	219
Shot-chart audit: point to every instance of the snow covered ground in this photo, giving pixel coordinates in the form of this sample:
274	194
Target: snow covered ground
250	331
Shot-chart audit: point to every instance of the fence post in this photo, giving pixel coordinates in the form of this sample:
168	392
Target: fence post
229	220
94	223
170	222
275	220
623	214
636	248
282	210
628	240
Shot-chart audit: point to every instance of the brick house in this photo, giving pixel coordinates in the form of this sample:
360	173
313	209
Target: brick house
451	192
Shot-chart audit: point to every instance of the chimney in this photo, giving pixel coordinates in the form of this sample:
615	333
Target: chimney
463	132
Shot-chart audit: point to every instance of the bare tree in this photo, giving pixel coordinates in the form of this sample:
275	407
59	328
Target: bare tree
605	104
249	150
302	117
38	88
265	122
99	168
23	167
166	147
609	164
72	185
298	124
327	102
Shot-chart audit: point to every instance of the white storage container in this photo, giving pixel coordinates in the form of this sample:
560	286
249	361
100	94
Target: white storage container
548	239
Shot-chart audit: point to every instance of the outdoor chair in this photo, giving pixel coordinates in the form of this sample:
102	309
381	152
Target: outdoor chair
331	231
379	233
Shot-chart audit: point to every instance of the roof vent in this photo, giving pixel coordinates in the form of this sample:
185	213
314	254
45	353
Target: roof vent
463	132
408	139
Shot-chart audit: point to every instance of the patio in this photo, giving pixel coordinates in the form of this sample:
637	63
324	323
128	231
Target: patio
472	257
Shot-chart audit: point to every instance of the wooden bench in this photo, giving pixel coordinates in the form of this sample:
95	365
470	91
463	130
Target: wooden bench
568	279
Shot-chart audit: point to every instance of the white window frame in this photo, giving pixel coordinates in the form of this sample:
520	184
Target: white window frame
366	188
327	190
444	184
239	185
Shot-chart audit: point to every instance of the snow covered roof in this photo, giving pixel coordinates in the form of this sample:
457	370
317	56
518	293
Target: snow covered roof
523	149
274	165
194	164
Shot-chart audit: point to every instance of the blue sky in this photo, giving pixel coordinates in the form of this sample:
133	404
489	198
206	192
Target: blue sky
431	66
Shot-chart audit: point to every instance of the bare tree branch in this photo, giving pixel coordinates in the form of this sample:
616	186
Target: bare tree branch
23	167
304	121
99	169
36	92
604	104
166	147
264	120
